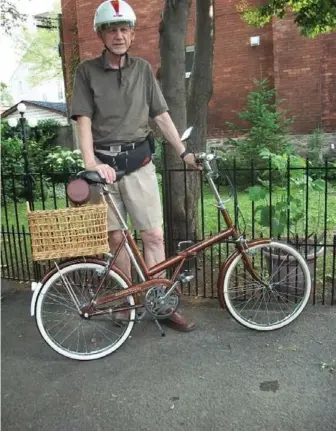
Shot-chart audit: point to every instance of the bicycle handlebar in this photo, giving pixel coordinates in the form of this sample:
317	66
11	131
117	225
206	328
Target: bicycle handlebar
204	157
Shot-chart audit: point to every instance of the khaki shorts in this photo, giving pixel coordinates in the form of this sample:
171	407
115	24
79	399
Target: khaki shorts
136	195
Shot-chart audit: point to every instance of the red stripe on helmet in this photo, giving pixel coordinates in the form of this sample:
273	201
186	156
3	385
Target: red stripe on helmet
115	4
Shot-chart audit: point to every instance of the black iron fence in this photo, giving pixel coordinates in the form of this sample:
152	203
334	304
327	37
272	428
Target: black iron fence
296	204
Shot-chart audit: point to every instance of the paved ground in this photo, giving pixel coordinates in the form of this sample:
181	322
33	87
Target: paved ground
220	377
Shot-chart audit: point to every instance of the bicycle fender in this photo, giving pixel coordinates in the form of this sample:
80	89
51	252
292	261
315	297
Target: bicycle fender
225	267
221	277
36	288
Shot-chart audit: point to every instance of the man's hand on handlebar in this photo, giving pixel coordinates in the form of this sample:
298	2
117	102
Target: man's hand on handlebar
105	171
190	160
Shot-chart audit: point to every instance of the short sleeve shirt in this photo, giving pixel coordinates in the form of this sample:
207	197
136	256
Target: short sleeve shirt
119	111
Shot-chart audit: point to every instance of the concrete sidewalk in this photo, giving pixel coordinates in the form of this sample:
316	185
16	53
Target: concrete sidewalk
219	377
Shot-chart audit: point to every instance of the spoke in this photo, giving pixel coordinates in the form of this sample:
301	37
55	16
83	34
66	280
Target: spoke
100	329
79	325
61	296
248	302
84	340
60	304
257	310
283	298
288	262
62	327
280	306
285	277
246	289
58	322
256	282
244	293
288	286
105	329
267	313
65	304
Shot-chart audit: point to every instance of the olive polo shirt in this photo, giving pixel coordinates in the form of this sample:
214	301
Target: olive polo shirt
119	113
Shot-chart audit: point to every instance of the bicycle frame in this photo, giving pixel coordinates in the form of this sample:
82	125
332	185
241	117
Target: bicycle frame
146	274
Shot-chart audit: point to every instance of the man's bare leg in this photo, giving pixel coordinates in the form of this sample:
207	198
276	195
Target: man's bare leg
154	254
123	261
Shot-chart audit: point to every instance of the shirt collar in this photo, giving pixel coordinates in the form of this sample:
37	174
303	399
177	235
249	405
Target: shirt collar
107	65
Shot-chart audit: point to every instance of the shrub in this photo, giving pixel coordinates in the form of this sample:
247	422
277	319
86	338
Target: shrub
265	127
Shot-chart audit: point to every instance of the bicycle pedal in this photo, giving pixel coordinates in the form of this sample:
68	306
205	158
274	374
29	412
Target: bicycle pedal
186	277
183	243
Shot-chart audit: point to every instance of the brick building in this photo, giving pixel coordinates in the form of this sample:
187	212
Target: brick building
302	70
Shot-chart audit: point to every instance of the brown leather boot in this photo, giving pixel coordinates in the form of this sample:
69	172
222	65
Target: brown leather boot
179	323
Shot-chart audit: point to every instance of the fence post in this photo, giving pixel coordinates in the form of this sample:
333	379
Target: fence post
27	176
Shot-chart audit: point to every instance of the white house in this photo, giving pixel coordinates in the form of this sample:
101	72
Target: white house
49	91
39	110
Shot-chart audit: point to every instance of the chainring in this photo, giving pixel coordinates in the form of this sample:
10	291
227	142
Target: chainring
158	307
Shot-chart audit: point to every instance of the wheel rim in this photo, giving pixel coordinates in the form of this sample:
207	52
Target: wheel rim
281	296
72	335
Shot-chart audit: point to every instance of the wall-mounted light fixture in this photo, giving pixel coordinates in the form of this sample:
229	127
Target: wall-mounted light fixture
255	40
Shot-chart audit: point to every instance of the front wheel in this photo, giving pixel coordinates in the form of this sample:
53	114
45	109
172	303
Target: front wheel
62	325
276	296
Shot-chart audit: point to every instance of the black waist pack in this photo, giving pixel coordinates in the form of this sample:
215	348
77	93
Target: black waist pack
151	141
128	161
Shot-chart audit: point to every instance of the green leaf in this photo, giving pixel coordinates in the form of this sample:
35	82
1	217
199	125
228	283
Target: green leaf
319	185
257	193
265	216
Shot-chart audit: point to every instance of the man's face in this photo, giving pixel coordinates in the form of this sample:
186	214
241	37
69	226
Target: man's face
118	38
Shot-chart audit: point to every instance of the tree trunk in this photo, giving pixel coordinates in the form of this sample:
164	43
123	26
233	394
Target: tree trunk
200	86
182	188
173	28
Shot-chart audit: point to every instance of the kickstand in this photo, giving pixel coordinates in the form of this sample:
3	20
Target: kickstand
159	327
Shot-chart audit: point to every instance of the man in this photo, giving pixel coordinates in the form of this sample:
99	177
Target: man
113	97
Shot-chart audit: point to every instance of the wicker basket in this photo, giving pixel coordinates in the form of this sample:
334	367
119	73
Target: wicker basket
69	232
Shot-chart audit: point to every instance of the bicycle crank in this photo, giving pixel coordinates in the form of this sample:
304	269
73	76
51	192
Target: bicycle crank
159	304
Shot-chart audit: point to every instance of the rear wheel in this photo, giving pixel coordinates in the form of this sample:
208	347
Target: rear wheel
280	293
61	323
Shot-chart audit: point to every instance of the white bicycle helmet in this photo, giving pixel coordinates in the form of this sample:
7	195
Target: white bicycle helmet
113	12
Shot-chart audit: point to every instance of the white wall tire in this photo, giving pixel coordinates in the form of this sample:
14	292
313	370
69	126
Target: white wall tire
57	347
286	320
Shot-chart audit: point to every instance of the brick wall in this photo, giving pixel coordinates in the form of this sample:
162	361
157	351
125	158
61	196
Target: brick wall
304	75
303	70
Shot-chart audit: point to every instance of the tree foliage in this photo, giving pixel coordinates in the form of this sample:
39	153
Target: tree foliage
6	98
41	55
10	16
312	16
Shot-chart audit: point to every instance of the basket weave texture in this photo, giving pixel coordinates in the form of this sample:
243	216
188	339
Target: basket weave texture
68	232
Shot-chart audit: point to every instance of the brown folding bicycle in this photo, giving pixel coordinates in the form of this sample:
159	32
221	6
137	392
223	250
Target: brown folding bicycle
85	308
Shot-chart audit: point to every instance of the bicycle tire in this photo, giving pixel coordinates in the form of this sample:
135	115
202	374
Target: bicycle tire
51	281
300	273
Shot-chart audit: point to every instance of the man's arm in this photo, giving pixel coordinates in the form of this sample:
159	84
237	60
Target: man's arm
86	146
170	132
86	141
